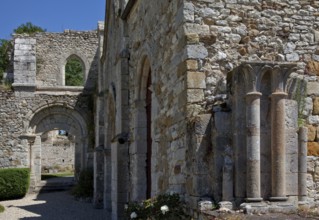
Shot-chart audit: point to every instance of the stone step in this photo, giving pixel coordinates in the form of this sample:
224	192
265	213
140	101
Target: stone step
58	184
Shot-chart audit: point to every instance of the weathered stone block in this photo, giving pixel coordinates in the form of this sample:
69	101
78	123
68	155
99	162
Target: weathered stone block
197	51
313	88
196	80
313	119
312	132
313	149
315	110
195	95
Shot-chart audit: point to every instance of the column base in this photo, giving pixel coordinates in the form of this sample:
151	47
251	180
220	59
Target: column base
254	199
279	198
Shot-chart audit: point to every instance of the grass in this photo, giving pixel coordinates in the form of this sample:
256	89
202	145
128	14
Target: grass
1	208
54	175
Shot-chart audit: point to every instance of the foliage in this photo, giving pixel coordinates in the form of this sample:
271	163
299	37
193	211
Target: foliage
1	208
28	28
5	48
74	73
161	207
84	187
14	183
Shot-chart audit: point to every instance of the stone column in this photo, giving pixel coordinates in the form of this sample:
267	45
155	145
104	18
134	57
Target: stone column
302	164
278	147
253	146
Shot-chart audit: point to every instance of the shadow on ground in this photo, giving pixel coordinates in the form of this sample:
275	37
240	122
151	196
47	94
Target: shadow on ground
56	205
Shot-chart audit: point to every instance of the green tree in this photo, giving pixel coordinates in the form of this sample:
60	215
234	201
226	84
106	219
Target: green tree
5	48
28	28
74	72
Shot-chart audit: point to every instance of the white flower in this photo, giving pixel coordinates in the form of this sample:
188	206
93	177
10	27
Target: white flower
125	206
133	215
164	209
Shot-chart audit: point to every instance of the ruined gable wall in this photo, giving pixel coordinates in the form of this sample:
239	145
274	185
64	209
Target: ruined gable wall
52	50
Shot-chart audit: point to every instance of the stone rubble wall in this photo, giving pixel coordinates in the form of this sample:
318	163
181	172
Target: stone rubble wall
222	34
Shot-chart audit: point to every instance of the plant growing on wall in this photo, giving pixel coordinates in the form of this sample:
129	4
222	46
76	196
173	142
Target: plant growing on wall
5	48
28	28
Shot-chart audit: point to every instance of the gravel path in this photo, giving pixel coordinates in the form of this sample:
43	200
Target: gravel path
50	206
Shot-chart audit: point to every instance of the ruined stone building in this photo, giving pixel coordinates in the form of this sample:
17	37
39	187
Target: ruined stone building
211	99
206	98
42	102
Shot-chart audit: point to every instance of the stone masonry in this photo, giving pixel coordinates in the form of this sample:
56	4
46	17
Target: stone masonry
211	95
40	102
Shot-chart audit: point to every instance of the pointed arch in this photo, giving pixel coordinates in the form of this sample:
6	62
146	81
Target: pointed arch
141	148
74	54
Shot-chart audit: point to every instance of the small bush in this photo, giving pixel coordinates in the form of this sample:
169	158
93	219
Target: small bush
84	188
1	208
14	183
165	207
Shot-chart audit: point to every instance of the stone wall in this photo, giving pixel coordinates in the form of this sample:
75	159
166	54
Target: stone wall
40	102
226	33
14	118
57	152
175	56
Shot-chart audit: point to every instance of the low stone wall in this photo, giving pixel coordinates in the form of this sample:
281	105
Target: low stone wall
313	179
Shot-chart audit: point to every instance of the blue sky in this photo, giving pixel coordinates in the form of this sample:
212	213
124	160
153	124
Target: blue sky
53	15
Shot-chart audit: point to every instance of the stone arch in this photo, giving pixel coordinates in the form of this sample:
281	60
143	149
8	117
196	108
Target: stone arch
56	117
108	152
63	61
142	148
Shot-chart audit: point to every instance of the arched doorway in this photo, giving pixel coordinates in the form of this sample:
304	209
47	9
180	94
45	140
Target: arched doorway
58	117
141	148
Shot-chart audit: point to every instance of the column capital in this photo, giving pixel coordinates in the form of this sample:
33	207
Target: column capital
279	76
253	94
282	95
